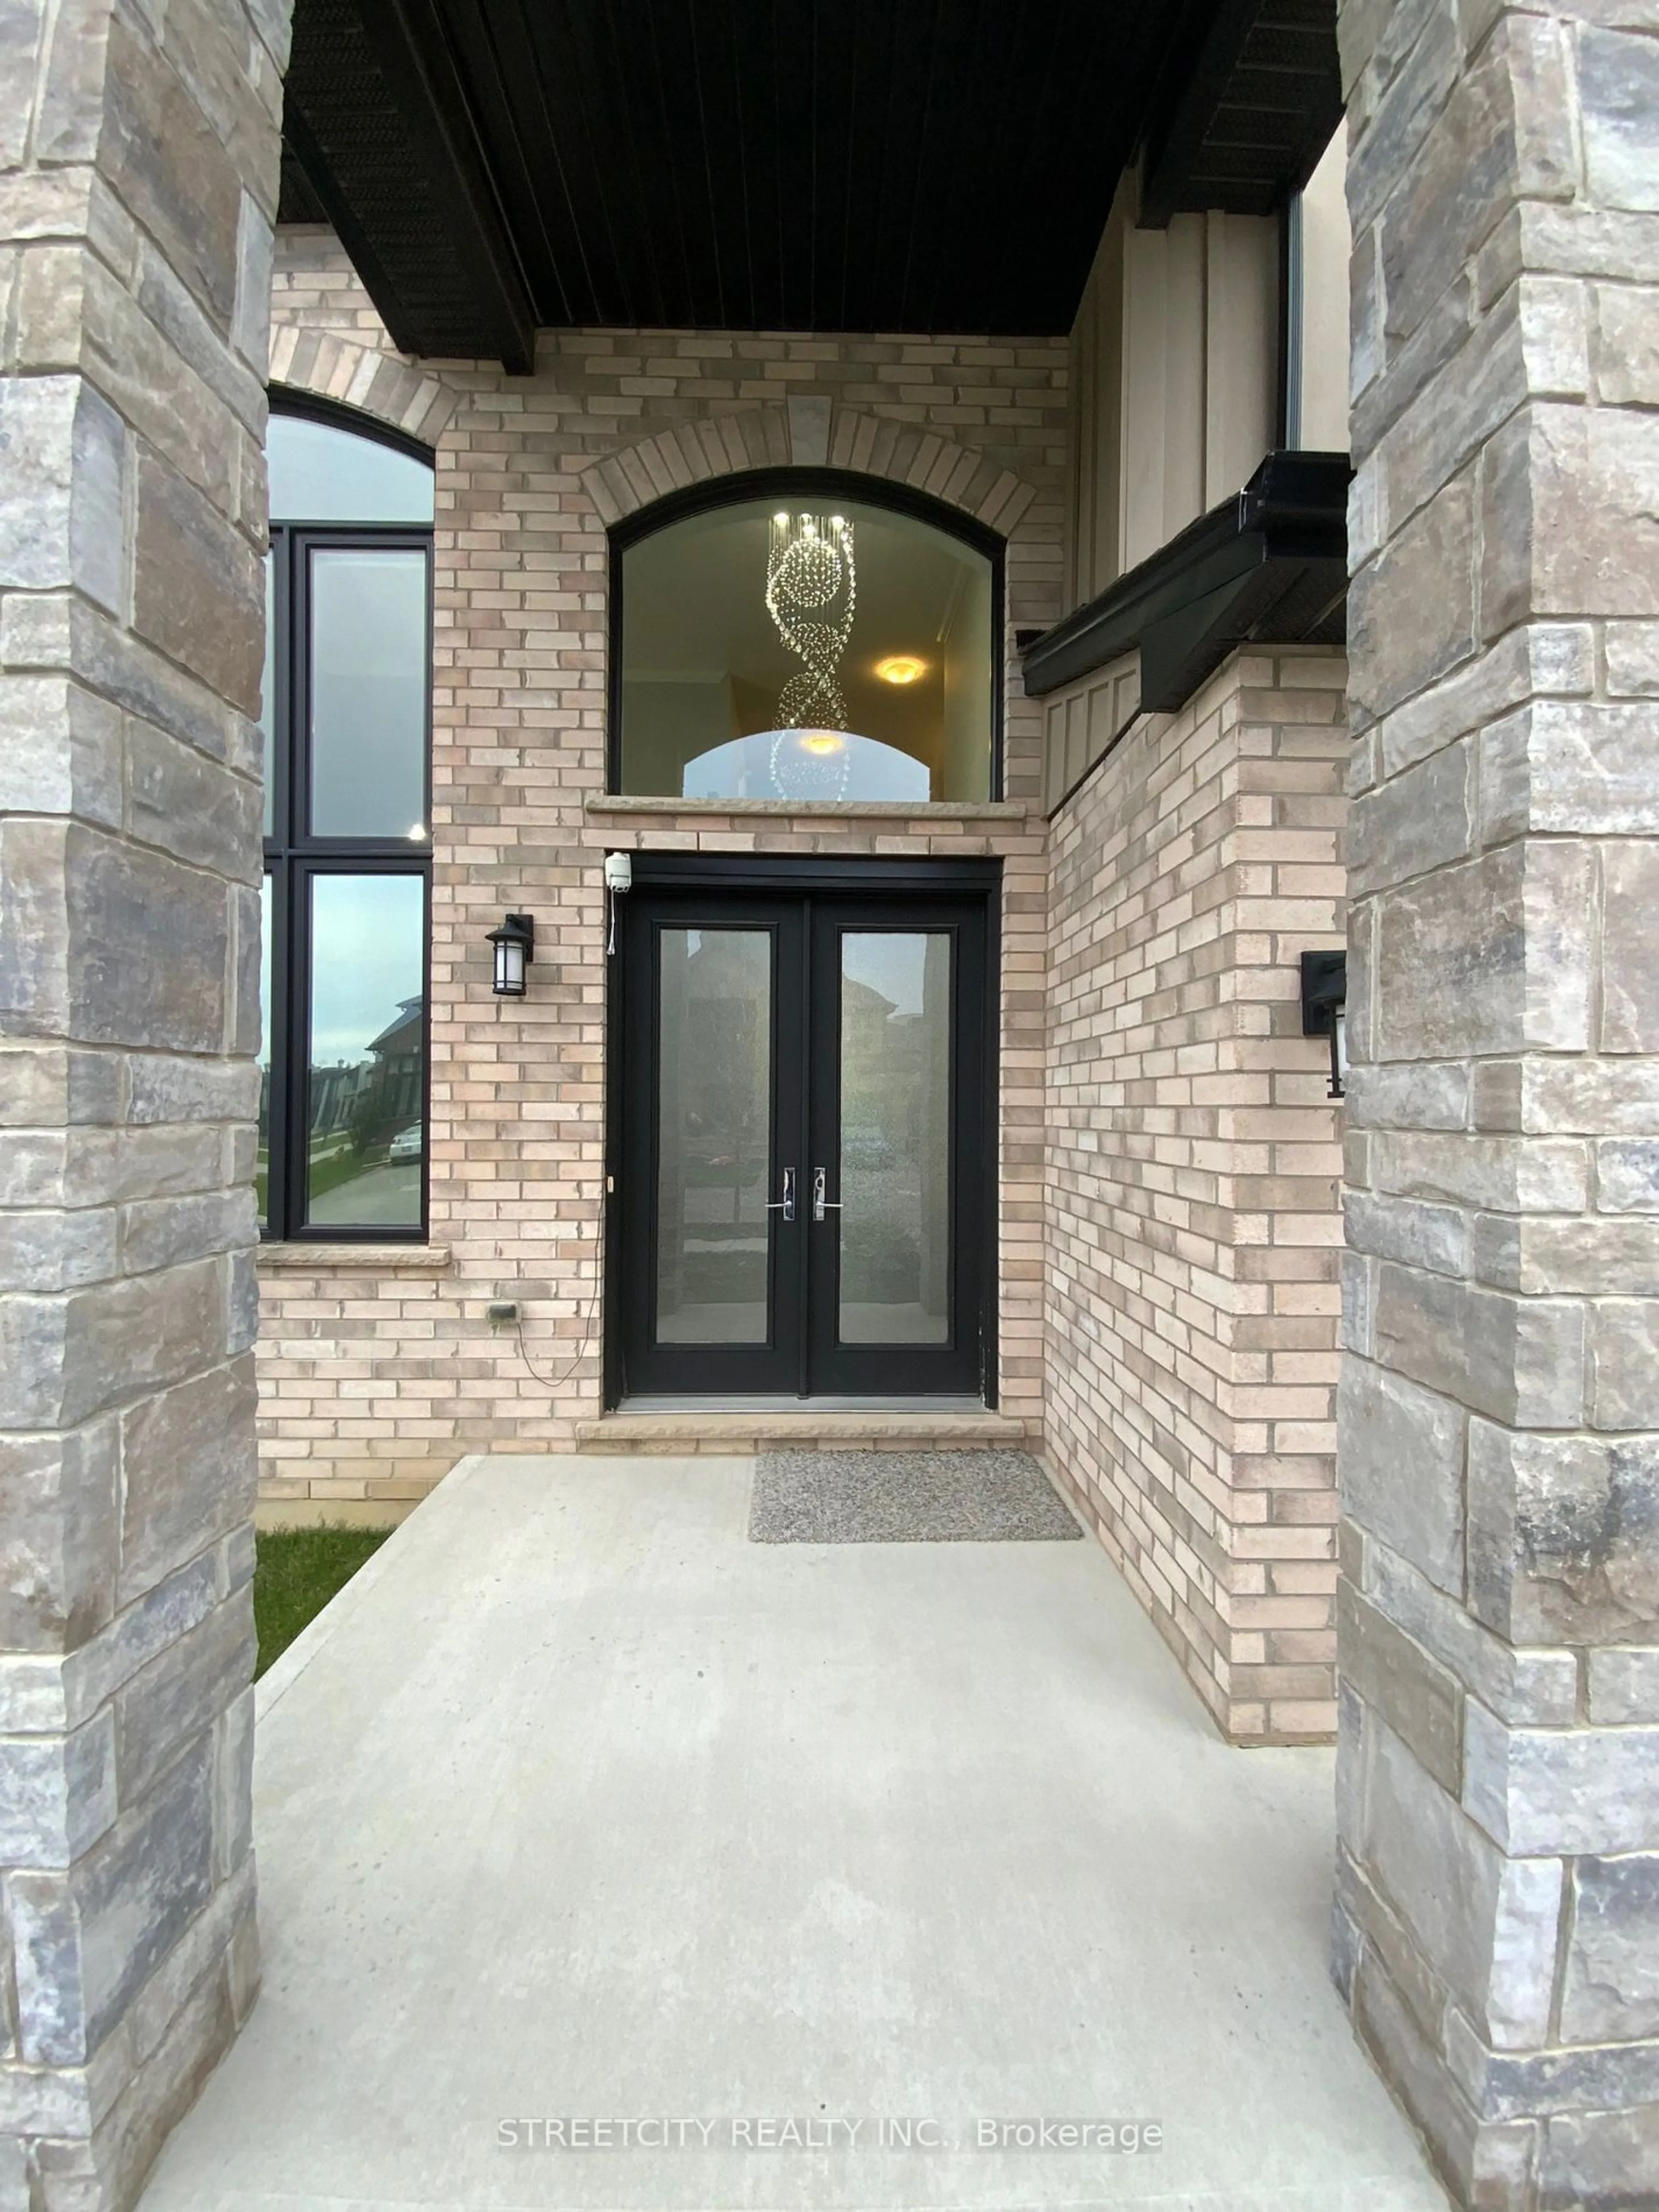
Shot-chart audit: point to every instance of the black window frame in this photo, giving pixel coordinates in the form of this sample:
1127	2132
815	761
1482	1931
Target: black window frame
295	857
806	483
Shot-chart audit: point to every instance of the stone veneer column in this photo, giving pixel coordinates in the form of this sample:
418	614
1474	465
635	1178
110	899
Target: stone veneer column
138	154
1498	1916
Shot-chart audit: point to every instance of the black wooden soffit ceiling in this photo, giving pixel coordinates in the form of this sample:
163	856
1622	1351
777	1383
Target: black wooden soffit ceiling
495	167
1256	106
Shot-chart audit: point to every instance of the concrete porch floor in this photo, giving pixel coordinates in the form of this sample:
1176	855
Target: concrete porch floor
576	1804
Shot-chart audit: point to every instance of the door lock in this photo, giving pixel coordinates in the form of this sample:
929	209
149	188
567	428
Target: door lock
785	1204
820	1205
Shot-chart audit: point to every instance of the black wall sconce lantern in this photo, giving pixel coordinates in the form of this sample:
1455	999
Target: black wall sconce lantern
1324	996
515	948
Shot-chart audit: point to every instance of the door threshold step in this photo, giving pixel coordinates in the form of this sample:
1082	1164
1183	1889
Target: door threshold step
803	1428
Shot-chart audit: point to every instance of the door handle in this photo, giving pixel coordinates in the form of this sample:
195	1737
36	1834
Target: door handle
785	1204
820	1205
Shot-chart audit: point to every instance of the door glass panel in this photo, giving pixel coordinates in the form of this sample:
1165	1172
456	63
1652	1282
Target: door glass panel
366	1085
714	1154
895	1170
369	667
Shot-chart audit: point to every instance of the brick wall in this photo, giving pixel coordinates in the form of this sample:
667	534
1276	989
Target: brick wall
378	1371
1183	1354
1192	1163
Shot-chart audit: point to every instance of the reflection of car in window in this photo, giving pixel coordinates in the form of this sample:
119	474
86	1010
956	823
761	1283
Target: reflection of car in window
407	1145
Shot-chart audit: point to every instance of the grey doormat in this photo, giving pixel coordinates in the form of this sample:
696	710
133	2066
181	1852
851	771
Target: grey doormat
905	1497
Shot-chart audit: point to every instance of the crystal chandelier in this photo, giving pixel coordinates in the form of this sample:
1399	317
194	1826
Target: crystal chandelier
812	591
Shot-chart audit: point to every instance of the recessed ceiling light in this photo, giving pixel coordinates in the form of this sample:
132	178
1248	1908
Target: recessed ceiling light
901	668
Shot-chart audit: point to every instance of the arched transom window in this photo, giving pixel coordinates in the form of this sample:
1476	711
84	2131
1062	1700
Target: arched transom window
797	641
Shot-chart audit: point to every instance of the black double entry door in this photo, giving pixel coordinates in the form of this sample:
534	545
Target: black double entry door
806	1183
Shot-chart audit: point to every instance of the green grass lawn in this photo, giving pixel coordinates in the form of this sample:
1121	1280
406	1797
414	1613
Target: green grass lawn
296	1572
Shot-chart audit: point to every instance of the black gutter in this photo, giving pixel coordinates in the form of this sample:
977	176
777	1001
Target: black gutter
1269	565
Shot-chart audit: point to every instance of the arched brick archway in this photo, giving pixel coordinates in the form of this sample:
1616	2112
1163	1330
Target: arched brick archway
812	433
334	367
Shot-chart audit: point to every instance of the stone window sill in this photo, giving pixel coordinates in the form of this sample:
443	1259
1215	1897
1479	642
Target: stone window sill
609	804
353	1259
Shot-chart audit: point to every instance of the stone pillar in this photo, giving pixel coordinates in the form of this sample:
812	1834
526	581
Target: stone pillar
138	154
1498	1926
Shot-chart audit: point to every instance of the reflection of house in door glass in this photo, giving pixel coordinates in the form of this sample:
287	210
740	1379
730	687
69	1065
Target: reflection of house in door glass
895	1136
366	1083
715	1136
397	1054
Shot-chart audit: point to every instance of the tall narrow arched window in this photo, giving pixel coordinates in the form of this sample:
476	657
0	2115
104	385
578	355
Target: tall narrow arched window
347	718
805	636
